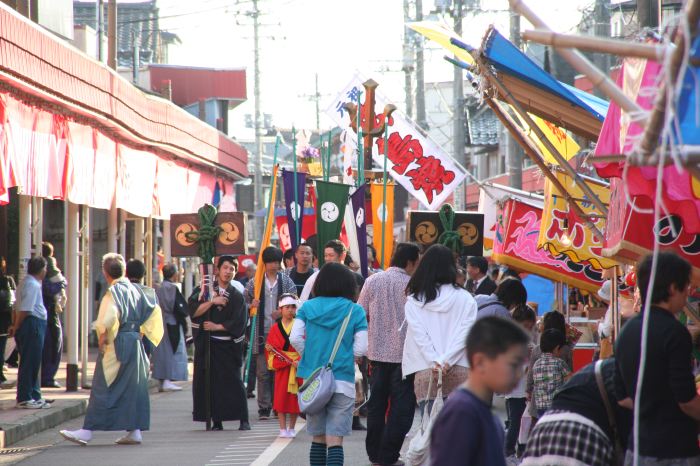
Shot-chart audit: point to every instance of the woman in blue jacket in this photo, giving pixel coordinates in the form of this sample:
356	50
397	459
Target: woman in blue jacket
315	330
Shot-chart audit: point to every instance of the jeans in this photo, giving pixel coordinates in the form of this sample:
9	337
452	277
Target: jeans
515	407
53	344
30	342
266	380
386	431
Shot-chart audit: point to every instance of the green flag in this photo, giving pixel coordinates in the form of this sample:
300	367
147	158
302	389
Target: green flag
330	211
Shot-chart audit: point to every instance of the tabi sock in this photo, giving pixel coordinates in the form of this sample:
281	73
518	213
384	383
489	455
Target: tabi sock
336	456
83	434
317	455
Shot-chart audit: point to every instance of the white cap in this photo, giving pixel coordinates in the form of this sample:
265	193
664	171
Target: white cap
289	301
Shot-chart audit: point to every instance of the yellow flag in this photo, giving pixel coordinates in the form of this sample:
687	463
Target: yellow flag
260	271
383	214
562	232
560	139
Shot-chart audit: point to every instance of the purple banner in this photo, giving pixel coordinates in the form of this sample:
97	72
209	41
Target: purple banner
294	210
358	211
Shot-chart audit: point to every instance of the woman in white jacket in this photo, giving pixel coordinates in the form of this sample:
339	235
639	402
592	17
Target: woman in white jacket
439	315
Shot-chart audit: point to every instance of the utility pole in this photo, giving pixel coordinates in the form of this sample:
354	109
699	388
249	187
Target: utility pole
98	28
259	203
112	34
408	59
648	13
601	16
514	154
420	72
458	136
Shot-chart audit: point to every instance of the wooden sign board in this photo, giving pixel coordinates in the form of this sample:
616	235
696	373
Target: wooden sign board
231	240
424	227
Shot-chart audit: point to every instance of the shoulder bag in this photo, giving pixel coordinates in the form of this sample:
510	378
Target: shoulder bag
619	454
318	388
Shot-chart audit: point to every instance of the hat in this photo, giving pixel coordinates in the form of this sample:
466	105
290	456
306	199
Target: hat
604	292
288	301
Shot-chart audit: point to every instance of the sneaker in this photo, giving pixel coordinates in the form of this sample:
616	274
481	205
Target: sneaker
33	404
291	433
283	433
264	415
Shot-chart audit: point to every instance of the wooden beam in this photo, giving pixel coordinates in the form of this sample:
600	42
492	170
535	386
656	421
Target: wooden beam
537	157
596	44
494	81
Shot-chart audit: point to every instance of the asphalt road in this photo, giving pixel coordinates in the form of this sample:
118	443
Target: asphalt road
175	440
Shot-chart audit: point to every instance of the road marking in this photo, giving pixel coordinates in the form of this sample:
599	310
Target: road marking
274	450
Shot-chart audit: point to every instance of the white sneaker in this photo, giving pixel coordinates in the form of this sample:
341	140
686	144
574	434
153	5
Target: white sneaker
283	433
33	404
168	386
291	433
75	436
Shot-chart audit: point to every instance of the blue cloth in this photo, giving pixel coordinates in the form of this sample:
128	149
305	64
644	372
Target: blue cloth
30	343
508	58
124	405
323	318
31	299
466	432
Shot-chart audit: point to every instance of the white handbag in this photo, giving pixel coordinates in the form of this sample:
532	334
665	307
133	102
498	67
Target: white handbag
525	425
418	453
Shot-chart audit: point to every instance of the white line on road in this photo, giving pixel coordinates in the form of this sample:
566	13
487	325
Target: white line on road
275	449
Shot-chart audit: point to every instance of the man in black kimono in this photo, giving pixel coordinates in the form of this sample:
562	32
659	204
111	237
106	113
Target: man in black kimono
223	320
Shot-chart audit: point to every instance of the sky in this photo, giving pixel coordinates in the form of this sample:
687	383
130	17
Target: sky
334	38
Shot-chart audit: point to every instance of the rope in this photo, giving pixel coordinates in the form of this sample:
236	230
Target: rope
449	238
206	236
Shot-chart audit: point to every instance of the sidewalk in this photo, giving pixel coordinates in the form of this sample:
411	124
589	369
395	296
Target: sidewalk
18	424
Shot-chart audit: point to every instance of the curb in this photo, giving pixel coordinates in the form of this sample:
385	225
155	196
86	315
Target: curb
43	419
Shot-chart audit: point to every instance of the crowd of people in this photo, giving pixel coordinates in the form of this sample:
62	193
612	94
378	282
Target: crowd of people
405	337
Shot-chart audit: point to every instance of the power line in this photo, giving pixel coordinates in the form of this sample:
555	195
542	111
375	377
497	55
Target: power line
178	15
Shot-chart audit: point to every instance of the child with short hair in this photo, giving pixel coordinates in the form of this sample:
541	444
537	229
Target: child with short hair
284	360
550	371
466	431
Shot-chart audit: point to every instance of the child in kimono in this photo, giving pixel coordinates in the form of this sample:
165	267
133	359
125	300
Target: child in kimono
284	359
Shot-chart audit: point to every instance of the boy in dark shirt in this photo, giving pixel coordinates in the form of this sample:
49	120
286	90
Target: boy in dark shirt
669	407
466	432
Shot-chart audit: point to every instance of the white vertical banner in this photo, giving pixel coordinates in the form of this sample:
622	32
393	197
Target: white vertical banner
414	160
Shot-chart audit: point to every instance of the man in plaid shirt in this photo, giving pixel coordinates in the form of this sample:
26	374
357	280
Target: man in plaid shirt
549	372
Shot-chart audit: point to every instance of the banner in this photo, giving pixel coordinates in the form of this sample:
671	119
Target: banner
231	239
425	228
414	161
383	214
490	196
332	199
629	235
563	232
516	246
294	207
308	229
357	201
348	151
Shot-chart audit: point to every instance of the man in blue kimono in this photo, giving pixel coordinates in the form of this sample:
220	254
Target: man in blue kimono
119	397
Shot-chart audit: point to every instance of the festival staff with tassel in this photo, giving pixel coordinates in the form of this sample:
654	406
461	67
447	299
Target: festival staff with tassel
284	360
221	319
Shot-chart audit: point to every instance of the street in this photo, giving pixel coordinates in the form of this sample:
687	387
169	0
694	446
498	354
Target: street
175	440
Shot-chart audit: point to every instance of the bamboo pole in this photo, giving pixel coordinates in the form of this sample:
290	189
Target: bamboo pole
536	157
581	63
596	44
505	93
655	123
